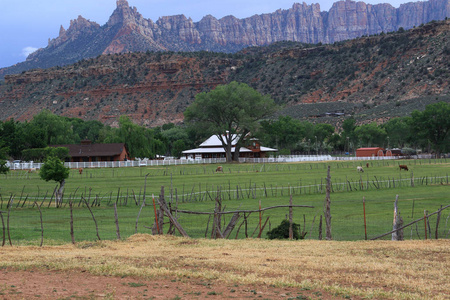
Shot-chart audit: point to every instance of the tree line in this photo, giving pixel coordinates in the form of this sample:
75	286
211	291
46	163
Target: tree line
427	130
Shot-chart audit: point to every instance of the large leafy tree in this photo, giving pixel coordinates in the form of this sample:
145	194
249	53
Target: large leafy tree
398	131
139	140
371	135
322	134
433	126
57	130
285	132
235	108
54	169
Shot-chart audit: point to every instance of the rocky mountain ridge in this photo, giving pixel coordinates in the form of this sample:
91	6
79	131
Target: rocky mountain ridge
372	78
128	31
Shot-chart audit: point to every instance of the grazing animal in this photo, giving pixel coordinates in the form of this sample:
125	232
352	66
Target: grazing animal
32	170
360	169
219	169
80	170
367	165
403	167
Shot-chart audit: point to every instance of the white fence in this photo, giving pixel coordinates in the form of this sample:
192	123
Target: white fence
171	162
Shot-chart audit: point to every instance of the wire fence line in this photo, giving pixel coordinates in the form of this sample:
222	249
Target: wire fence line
24	223
236	193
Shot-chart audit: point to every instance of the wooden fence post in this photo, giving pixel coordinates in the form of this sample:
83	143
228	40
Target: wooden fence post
320	228
364	211
437	224
117	220
291	231
4	229
71	223
425	221
327	209
397	235
42	225
7	219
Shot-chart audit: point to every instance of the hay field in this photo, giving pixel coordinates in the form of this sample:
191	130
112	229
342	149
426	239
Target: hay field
167	267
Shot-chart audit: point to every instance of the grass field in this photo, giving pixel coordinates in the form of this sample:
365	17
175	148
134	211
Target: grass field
240	186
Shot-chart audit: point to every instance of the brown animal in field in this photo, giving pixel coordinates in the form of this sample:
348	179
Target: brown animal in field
80	170
32	170
219	169
403	167
367	165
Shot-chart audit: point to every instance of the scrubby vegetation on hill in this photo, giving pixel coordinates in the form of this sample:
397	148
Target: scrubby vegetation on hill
372	78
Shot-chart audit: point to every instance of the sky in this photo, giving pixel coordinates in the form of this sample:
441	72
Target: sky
26	25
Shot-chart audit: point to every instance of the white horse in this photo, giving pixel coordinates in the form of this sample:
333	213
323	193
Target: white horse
360	169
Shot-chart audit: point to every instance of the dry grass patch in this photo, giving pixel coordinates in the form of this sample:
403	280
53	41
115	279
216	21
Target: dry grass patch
377	270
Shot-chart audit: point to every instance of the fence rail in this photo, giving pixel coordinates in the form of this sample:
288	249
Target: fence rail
172	162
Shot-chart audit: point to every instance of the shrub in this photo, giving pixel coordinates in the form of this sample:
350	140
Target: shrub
282	231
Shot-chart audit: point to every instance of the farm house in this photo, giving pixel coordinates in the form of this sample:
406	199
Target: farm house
212	148
369	152
89	152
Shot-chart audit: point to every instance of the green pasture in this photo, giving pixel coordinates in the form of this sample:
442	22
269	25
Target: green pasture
241	187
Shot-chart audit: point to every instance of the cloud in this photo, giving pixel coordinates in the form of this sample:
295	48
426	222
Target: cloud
28	50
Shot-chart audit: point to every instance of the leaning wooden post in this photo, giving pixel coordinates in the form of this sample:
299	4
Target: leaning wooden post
137	219
364	211
92	214
42	225
397	235
327	209
163	206
291	231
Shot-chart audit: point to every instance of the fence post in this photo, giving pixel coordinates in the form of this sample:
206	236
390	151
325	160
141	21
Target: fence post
425	221
364	211
398	223
327	209
291	231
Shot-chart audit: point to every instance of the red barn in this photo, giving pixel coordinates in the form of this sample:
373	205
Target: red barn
369	152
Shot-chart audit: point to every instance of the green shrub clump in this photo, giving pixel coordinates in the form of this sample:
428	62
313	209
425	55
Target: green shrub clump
282	231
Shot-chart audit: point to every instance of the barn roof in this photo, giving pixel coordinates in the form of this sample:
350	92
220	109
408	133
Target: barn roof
91	150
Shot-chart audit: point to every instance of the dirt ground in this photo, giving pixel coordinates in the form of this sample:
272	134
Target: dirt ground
40	284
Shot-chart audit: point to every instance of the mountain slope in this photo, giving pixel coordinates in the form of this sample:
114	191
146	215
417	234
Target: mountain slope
128	31
371	78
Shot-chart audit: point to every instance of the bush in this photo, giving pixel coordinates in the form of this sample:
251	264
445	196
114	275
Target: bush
282	231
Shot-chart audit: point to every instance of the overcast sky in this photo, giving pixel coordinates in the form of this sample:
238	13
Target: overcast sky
28	24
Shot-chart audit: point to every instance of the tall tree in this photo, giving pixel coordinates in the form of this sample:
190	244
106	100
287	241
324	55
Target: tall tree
322	133
371	135
58	129
433	126
398	131
234	108
138	139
